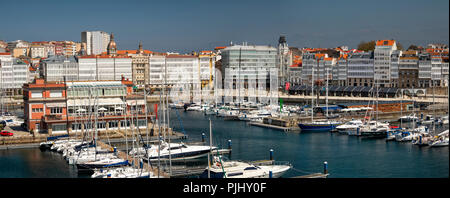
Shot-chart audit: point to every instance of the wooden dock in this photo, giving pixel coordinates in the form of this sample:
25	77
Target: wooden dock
314	175
285	129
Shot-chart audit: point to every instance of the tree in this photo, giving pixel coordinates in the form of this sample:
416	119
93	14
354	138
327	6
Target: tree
366	46
413	47
399	46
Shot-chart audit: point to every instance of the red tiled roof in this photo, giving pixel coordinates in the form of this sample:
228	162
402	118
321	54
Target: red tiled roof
221	47
318	56
385	42
180	56
5	53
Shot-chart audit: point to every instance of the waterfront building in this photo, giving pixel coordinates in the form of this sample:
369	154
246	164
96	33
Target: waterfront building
395	59
439	63
326	67
340	71
382	62
55	68
104	67
284	60
96	41
46	108
408	70
295	74
247	60
87	68
156	70
207	63
13	74
360	69
140	63
181	69
424	70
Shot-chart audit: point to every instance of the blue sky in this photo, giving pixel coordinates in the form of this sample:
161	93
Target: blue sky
189	25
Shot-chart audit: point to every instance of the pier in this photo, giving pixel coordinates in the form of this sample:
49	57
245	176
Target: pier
285	129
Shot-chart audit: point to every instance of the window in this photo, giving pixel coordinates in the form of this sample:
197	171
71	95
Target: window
59	127
37	110
36	94
56	110
55	94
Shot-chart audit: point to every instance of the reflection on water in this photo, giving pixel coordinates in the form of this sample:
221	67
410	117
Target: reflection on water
347	156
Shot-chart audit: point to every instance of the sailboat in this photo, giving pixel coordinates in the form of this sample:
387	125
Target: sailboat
318	126
240	169
178	151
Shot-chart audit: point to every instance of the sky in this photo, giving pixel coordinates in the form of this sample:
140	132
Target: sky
193	25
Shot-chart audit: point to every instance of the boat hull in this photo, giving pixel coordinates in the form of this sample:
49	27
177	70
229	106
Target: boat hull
179	156
317	127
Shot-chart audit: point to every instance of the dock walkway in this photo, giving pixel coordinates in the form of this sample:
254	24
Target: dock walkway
285	129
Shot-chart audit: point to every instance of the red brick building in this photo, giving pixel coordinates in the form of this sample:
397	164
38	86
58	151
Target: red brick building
47	110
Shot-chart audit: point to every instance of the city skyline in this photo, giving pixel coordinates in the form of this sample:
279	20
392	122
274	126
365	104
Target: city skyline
192	26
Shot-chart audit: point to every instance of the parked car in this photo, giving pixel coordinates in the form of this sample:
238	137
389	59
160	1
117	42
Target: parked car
6	133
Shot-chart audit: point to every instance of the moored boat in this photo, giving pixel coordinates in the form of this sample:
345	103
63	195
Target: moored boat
319	126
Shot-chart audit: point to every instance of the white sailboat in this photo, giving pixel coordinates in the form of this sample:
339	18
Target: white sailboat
239	169
176	151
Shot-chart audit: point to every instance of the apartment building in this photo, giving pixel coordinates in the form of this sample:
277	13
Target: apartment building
360	69
382	62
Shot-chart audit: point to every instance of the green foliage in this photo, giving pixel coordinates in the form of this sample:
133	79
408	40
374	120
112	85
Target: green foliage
413	47
399	46
366	46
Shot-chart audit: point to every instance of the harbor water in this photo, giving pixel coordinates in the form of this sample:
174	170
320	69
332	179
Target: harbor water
347	156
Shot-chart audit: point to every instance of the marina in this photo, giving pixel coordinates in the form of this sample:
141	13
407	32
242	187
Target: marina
306	152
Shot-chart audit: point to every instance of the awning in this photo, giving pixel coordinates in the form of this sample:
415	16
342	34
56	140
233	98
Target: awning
99	101
133	102
59	104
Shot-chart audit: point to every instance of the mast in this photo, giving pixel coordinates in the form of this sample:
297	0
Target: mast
166	108
146	127
210	148
96	122
434	110
126	123
67	108
401	111
376	123
159	136
312	93
239	76
326	99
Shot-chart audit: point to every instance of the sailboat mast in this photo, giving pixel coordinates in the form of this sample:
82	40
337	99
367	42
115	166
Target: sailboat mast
326	99
401	111
312	93
210	149
67	108
239	76
166	107
434	111
126	123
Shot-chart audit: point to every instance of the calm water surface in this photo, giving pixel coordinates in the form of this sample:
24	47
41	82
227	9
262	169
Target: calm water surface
347	156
